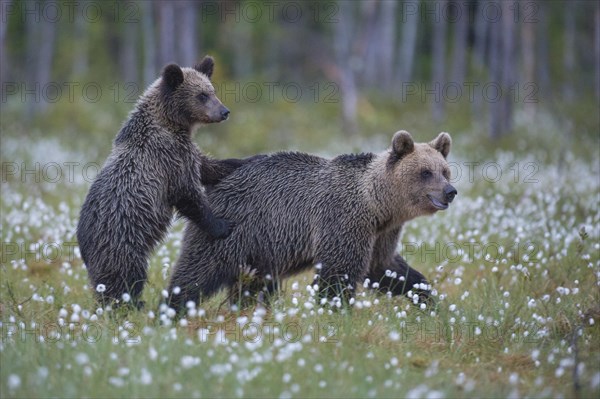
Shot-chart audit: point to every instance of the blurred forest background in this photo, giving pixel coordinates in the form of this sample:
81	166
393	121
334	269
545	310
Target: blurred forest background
456	63
517	85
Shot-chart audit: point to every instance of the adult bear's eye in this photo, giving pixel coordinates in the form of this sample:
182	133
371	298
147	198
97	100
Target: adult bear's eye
203	97
426	174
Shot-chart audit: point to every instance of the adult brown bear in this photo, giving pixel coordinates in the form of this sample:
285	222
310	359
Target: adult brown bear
296	210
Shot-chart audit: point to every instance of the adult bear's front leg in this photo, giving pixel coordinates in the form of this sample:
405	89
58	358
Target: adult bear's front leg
344	263
201	269
392	273
398	278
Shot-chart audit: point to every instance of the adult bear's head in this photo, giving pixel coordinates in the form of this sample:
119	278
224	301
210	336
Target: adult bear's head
419	174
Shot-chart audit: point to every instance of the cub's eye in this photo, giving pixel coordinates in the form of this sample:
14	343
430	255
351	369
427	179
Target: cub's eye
426	174
203	97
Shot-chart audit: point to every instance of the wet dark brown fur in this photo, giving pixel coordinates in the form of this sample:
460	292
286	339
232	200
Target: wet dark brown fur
153	168
296	210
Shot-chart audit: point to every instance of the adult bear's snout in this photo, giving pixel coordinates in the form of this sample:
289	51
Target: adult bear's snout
449	193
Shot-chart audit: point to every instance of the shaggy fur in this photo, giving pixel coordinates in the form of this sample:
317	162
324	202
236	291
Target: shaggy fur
154	167
296	210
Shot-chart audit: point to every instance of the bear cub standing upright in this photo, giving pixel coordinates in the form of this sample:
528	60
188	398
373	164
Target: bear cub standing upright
154	167
296	210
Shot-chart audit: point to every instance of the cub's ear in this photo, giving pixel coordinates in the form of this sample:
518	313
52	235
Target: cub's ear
402	144
442	143
172	76
206	66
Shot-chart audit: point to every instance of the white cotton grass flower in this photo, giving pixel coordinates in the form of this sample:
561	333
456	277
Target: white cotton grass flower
126	297
595	381
42	373
145	377
152	353
116	381
14	382
171	313
100	288
82	358
190	304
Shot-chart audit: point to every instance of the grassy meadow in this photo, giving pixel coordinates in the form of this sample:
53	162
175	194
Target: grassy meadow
514	262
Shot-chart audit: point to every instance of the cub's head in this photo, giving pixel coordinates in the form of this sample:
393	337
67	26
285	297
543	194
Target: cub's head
421	173
187	97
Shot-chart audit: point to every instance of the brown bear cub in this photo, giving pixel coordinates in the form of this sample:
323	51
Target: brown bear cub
154	167
296	210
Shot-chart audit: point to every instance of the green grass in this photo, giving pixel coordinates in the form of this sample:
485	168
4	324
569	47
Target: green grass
515	263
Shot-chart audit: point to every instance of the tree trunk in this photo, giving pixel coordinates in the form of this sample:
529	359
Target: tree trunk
272	66
569	52
128	54
597	49
459	48
543	54
410	19
150	61
166	18
187	37
40	55
3	54
503	73
387	43
438	59
342	46
241	33
46	55
480	50
508	68
367	33
495	106
80	46
528	57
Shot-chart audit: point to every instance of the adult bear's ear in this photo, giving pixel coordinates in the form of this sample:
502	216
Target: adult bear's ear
206	66
402	144
442	143
172	76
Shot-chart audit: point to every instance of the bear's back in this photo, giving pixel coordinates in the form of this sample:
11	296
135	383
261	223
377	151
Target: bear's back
287	183
273	171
